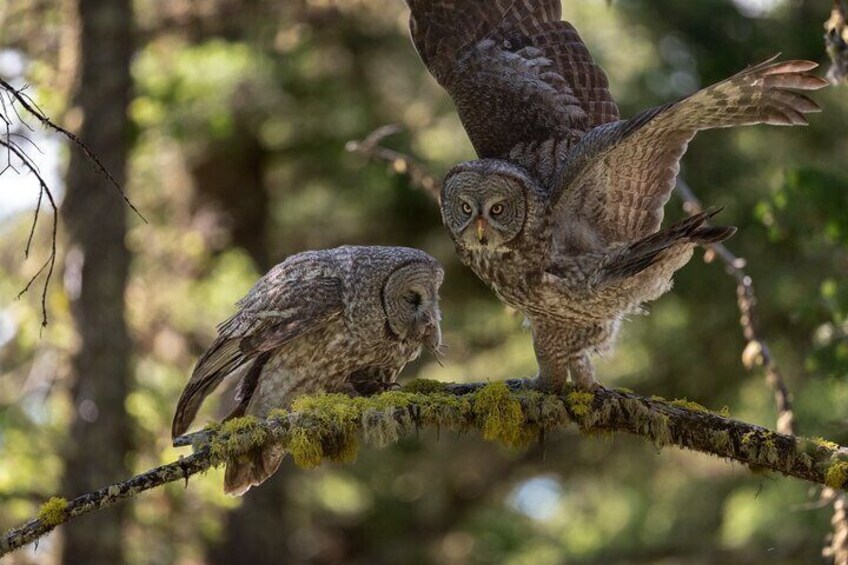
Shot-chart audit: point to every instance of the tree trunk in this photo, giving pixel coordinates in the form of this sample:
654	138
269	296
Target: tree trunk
257	531
247	538
96	274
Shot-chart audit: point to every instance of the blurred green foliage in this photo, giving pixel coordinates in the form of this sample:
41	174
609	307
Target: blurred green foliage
256	105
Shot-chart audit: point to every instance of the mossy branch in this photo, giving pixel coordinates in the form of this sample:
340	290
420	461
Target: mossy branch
331	427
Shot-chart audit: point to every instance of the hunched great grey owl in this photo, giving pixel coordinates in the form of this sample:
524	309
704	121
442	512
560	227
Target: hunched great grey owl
338	320
561	214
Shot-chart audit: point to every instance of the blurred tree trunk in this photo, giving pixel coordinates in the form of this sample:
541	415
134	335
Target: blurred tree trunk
232	178
257	531
96	274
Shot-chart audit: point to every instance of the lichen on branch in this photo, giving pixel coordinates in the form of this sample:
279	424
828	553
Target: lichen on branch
333	427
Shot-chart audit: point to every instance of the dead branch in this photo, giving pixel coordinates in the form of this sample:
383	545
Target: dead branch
19	97
513	413
757	353
44	190
13	101
399	163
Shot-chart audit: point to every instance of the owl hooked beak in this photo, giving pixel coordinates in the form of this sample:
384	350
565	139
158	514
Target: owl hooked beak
433	337
481	229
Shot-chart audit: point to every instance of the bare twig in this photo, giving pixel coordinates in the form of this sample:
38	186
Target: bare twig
513	413
13	101
400	163
44	190
20	97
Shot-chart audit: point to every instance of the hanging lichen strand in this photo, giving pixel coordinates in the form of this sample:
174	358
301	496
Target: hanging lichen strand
333	427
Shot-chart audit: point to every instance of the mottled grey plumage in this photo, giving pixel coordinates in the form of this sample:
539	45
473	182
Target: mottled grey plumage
560	216
338	320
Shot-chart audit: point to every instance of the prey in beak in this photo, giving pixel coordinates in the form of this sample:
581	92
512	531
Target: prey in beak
433	341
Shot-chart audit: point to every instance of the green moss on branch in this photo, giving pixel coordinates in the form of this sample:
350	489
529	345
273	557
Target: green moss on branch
331	427
52	513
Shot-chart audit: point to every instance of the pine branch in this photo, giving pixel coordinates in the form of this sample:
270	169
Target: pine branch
331	427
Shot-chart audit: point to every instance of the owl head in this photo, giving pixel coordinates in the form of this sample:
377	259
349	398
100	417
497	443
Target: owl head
411	300
393	293
487	203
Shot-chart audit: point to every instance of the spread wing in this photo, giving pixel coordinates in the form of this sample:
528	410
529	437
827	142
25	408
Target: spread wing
617	180
294	298
517	74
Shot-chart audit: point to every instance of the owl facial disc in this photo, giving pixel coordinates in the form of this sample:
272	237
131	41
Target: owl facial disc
410	298
484	209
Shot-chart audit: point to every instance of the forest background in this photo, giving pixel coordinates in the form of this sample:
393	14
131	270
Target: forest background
232	119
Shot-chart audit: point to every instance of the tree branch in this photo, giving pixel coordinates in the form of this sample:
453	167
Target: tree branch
331	427
13	149
14	101
18	96
757	353
400	163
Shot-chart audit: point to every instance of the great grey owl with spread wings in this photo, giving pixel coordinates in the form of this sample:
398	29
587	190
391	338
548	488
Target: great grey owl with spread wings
338	320
561	214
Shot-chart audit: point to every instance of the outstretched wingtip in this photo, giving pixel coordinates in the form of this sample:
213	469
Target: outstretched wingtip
795	75
797	71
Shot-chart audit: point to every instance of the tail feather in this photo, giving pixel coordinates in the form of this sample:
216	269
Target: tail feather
252	469
221	359
712	234
643	253
190	401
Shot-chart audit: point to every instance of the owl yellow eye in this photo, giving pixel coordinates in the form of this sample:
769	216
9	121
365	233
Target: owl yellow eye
466	208
497	210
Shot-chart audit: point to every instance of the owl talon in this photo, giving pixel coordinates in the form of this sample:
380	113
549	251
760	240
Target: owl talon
583	373
589	387
548	383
